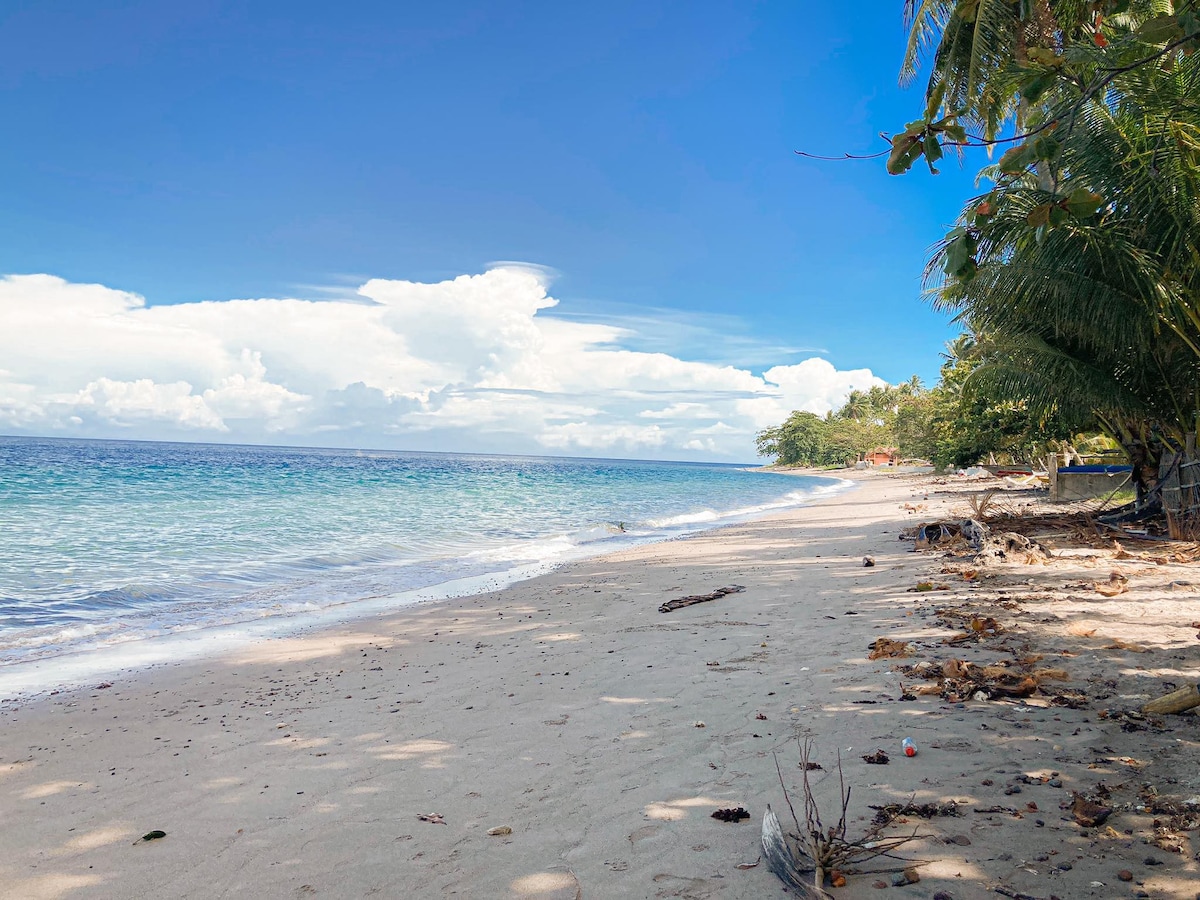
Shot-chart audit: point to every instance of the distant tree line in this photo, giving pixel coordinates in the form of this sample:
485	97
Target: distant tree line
958	423
866	421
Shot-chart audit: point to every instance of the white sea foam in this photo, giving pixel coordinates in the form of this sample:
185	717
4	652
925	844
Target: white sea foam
217	546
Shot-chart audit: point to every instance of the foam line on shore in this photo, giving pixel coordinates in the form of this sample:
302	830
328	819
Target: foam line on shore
29	679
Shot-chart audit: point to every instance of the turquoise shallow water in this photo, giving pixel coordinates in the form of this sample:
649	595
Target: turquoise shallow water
105	542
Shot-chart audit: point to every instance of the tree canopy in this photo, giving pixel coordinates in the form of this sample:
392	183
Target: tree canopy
865	422
1076	275
1081	264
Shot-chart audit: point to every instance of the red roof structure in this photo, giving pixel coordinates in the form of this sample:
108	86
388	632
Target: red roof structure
883	456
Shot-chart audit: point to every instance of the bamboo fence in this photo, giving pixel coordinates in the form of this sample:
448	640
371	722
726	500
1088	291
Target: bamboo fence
1180	475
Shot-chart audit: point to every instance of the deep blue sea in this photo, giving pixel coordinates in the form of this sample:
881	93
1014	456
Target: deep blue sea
108	542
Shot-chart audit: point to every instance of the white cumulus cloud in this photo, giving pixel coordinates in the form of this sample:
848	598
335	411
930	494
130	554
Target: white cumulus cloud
479	362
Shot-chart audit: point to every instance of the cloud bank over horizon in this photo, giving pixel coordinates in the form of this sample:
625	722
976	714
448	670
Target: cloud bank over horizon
477	363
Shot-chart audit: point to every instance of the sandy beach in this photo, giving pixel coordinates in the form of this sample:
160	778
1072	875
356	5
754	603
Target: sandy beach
372	759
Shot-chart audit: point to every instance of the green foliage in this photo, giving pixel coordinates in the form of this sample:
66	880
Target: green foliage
1089	290
996	63
1080	268
1077	275
974	417
866	420
969	416
797	442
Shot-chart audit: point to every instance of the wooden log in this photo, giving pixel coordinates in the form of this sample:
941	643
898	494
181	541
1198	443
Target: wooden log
1176	702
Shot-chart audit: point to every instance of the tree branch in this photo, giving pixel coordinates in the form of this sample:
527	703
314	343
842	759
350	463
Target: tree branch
975	141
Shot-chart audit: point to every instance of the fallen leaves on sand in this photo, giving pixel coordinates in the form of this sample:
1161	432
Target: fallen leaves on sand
1026	687
432	818
977	627
956	668
1181	556
1051	675
878	758
1070	699
886	648
960	679
986	625
151	836
1087	813
884	815
733	814
1119	644
1173	817
744	866
1117	584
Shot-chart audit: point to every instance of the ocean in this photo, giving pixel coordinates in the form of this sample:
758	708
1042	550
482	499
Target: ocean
118	544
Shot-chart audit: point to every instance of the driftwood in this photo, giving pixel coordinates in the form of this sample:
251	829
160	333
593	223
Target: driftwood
1176	702
681	602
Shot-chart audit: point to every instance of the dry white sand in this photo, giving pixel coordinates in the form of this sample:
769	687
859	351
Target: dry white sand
568	708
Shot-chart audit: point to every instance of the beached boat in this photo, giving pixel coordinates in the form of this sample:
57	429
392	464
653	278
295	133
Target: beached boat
1011	469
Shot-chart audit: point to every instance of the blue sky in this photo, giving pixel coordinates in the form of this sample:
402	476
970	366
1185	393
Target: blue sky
642	153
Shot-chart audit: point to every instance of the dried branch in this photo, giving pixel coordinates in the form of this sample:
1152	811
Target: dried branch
824	850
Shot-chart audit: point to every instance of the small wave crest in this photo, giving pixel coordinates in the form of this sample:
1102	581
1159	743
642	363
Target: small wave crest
296	556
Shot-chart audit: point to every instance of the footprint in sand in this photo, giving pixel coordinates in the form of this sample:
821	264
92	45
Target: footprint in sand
644	832
683	887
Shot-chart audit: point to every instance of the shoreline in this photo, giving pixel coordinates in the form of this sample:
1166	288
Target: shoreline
567	708
32	679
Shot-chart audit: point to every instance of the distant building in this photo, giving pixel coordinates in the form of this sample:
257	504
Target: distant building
883	456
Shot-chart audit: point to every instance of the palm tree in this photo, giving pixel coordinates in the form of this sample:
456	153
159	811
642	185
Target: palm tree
973	45
856	407
1098	311
983	53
